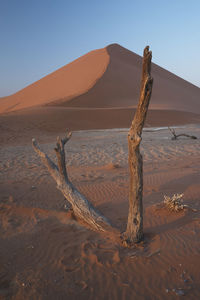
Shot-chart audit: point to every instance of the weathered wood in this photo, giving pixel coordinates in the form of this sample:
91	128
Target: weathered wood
82	208
176	136
134	230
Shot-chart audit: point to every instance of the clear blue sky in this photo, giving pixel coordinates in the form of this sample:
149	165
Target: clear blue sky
39	36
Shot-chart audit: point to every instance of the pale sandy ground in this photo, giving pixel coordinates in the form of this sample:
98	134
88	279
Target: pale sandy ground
46	254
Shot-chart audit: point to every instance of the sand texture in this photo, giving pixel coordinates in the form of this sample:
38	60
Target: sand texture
46	254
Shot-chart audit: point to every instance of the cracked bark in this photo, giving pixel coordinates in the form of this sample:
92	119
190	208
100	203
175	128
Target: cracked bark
134	230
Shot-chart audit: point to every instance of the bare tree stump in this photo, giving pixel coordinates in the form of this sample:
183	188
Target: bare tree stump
82	208
134	230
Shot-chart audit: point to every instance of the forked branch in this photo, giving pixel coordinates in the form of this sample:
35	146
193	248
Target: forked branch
60	153
82	208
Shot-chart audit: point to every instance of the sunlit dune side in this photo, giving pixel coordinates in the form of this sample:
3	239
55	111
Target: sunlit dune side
67	82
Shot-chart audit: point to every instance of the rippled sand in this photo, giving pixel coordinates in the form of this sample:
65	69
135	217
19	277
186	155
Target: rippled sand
46	254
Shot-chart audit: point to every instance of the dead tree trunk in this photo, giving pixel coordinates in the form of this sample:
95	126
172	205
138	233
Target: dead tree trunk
134	231
176	136
82	208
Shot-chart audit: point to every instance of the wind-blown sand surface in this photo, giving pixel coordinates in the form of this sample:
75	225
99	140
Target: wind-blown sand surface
46	254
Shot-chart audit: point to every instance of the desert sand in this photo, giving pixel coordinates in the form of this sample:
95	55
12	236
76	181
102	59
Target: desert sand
45	253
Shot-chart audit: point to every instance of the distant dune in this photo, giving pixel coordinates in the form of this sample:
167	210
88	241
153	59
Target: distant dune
108	77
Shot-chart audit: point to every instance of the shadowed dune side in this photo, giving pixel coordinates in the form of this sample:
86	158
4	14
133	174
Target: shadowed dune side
67	82
119	86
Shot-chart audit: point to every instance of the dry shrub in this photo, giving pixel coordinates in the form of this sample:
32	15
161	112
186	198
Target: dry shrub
175	203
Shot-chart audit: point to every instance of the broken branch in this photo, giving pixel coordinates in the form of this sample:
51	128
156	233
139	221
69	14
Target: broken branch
176	136
82	208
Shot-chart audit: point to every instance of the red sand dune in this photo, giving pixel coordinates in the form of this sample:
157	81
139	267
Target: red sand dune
108	77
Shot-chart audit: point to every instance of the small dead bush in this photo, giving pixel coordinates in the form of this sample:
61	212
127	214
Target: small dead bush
175	203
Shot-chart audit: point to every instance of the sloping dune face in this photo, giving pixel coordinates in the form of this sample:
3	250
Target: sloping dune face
65	83
108	77
120	84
